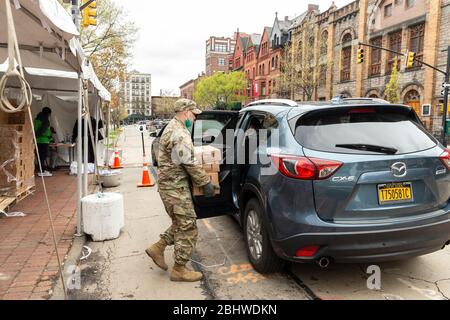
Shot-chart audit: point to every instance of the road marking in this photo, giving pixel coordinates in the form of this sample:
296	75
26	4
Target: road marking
208	226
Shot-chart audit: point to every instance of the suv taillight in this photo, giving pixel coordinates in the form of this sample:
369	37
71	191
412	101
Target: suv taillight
445	158
304	168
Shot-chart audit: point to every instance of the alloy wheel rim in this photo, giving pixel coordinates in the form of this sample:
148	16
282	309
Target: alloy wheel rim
254	235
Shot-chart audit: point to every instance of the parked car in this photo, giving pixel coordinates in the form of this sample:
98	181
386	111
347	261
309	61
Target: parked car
155	144
354	181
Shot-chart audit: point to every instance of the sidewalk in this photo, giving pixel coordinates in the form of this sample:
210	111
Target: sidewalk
28	264
120	269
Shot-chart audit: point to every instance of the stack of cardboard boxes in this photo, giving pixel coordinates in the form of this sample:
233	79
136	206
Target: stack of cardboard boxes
210	158
17	155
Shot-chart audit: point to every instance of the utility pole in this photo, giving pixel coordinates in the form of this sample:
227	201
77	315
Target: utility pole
446	92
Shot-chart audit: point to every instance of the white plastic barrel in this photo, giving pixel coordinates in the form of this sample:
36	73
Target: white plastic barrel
103	215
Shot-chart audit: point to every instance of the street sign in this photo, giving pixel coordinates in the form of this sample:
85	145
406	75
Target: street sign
443	93
141	128
446	85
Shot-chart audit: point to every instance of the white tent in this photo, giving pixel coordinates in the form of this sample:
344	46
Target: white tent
53	60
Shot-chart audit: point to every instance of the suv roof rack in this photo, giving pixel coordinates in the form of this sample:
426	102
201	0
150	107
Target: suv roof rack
278	102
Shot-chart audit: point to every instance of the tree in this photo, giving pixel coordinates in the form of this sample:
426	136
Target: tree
109	47
220	89
167	104
300	69
392	92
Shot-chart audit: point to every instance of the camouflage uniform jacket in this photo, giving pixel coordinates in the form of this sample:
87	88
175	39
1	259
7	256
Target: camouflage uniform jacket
176	161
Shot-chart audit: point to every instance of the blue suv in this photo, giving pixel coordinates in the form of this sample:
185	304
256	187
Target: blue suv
348	181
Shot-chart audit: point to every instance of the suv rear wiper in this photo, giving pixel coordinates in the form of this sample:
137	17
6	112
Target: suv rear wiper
368	147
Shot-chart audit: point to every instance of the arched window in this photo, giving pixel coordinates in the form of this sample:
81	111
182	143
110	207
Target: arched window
346	38
324	43
412	96
412	99
346	57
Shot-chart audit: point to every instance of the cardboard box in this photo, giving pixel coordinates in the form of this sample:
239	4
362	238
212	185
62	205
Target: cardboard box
211	167
198	191
208	155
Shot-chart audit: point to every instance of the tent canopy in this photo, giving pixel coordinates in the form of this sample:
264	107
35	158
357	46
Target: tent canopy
51	54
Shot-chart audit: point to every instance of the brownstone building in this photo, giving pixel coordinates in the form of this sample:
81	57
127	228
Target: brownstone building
421	26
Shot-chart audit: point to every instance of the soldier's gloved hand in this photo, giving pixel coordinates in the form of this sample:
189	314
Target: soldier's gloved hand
209	190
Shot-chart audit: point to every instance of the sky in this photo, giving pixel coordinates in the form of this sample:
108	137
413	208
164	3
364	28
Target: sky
172	36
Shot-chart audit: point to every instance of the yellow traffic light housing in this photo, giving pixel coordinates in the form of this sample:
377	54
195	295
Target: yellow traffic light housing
90	14
360	56
410	58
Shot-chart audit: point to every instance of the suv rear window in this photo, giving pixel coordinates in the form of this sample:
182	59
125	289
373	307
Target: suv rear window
363	130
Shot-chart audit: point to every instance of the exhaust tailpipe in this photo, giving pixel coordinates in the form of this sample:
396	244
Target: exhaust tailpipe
323	262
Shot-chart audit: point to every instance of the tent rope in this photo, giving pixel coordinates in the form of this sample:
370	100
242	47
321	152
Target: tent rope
25	103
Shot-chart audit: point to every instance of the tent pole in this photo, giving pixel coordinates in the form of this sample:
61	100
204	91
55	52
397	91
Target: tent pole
85	144
97	115
79	161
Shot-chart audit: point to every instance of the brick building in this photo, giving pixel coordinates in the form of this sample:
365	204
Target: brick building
401	25
187	89
329	42
218	51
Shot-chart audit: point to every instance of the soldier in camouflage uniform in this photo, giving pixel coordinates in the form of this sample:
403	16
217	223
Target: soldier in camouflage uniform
177	166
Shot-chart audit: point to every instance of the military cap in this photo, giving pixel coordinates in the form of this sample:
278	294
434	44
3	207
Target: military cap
186	105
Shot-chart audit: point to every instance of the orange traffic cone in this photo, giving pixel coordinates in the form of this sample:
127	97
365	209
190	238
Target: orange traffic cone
147	181
116	163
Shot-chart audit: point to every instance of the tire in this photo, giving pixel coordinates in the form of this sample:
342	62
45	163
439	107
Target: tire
264	259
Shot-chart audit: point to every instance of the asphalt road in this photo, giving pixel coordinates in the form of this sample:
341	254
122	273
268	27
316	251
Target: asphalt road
119	269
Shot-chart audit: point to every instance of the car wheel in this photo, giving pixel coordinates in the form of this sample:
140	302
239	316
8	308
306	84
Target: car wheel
259	247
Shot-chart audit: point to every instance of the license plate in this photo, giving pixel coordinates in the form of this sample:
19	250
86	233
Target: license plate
395	193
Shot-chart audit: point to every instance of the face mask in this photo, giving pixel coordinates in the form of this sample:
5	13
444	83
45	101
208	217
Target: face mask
188	122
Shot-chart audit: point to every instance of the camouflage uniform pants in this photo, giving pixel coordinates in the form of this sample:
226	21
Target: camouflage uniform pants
183	231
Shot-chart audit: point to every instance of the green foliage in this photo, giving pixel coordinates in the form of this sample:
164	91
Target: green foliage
221	90
392	92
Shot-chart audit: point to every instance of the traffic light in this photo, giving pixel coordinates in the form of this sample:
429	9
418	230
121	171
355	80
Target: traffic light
90	14
360	57
410	57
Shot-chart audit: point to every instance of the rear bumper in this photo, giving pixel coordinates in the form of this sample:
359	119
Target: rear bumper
368	246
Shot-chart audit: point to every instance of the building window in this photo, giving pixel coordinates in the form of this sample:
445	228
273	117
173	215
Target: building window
323	75
375	57
416	42
220	48
346	58
221	61
409	3
398	2
324	44
395	44
388	10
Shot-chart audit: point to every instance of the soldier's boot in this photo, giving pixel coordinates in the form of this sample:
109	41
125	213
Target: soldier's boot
156	252
183	274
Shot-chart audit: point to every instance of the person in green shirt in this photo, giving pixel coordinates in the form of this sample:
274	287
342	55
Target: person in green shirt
43	134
